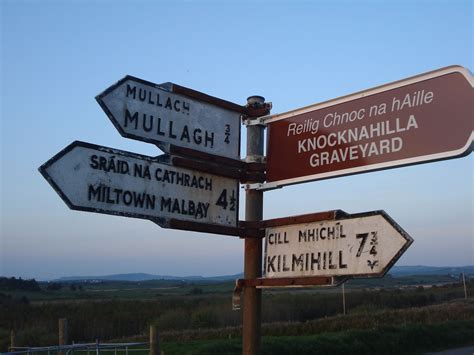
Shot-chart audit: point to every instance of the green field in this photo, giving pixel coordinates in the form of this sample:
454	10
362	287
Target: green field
124	290
196	317
409	339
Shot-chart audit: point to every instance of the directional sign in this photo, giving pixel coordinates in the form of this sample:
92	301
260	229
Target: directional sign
99	179
421	119
358	245
170	114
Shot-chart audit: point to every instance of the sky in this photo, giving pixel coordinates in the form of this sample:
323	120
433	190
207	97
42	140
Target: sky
56	56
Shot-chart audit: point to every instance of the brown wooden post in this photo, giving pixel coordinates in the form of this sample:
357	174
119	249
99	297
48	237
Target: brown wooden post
63	336
154	341
343	299
12	340
252	305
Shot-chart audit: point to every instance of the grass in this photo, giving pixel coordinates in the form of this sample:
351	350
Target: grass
202	310
459	310
402	339
410	339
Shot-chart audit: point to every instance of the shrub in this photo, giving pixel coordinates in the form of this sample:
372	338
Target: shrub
54	286
174	319
196	291
4	340
204	318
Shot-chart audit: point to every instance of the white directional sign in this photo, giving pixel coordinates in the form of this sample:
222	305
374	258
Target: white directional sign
359	245
104	180
170	114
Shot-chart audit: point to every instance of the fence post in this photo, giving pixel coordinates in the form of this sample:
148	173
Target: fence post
12	340
63	336
154	341
97	347
343	299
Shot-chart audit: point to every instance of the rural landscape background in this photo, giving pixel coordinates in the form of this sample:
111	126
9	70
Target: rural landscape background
56	56
412	310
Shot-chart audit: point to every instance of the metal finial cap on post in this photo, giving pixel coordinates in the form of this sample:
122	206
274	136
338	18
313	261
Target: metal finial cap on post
255	100
256	106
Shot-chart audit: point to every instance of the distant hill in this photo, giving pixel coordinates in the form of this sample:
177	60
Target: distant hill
136	277
431	270
396	271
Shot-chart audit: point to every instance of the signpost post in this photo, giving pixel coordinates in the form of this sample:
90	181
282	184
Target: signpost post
170	115
251	318
420	119
105	180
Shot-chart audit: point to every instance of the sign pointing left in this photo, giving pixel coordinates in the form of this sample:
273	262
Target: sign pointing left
98	179
171	115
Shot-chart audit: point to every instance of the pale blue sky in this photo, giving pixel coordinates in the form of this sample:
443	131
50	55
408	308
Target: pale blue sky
58	55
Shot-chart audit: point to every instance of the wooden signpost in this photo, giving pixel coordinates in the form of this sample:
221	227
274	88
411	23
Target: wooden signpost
195	186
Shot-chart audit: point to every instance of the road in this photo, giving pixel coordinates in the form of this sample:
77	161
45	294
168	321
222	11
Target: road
459	351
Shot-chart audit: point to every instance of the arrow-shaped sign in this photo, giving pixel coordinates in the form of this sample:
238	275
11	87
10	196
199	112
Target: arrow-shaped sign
170	114
425	118
333	244
98	179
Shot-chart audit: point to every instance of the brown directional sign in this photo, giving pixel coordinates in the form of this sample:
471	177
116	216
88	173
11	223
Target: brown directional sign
417	120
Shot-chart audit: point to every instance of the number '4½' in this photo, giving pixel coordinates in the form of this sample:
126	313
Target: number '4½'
225	201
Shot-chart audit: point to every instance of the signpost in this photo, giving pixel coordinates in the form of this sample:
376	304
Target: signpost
424	118
420	119
333	244
171	115
104	180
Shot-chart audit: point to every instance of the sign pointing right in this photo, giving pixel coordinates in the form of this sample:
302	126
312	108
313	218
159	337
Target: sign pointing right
333	244
425	118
